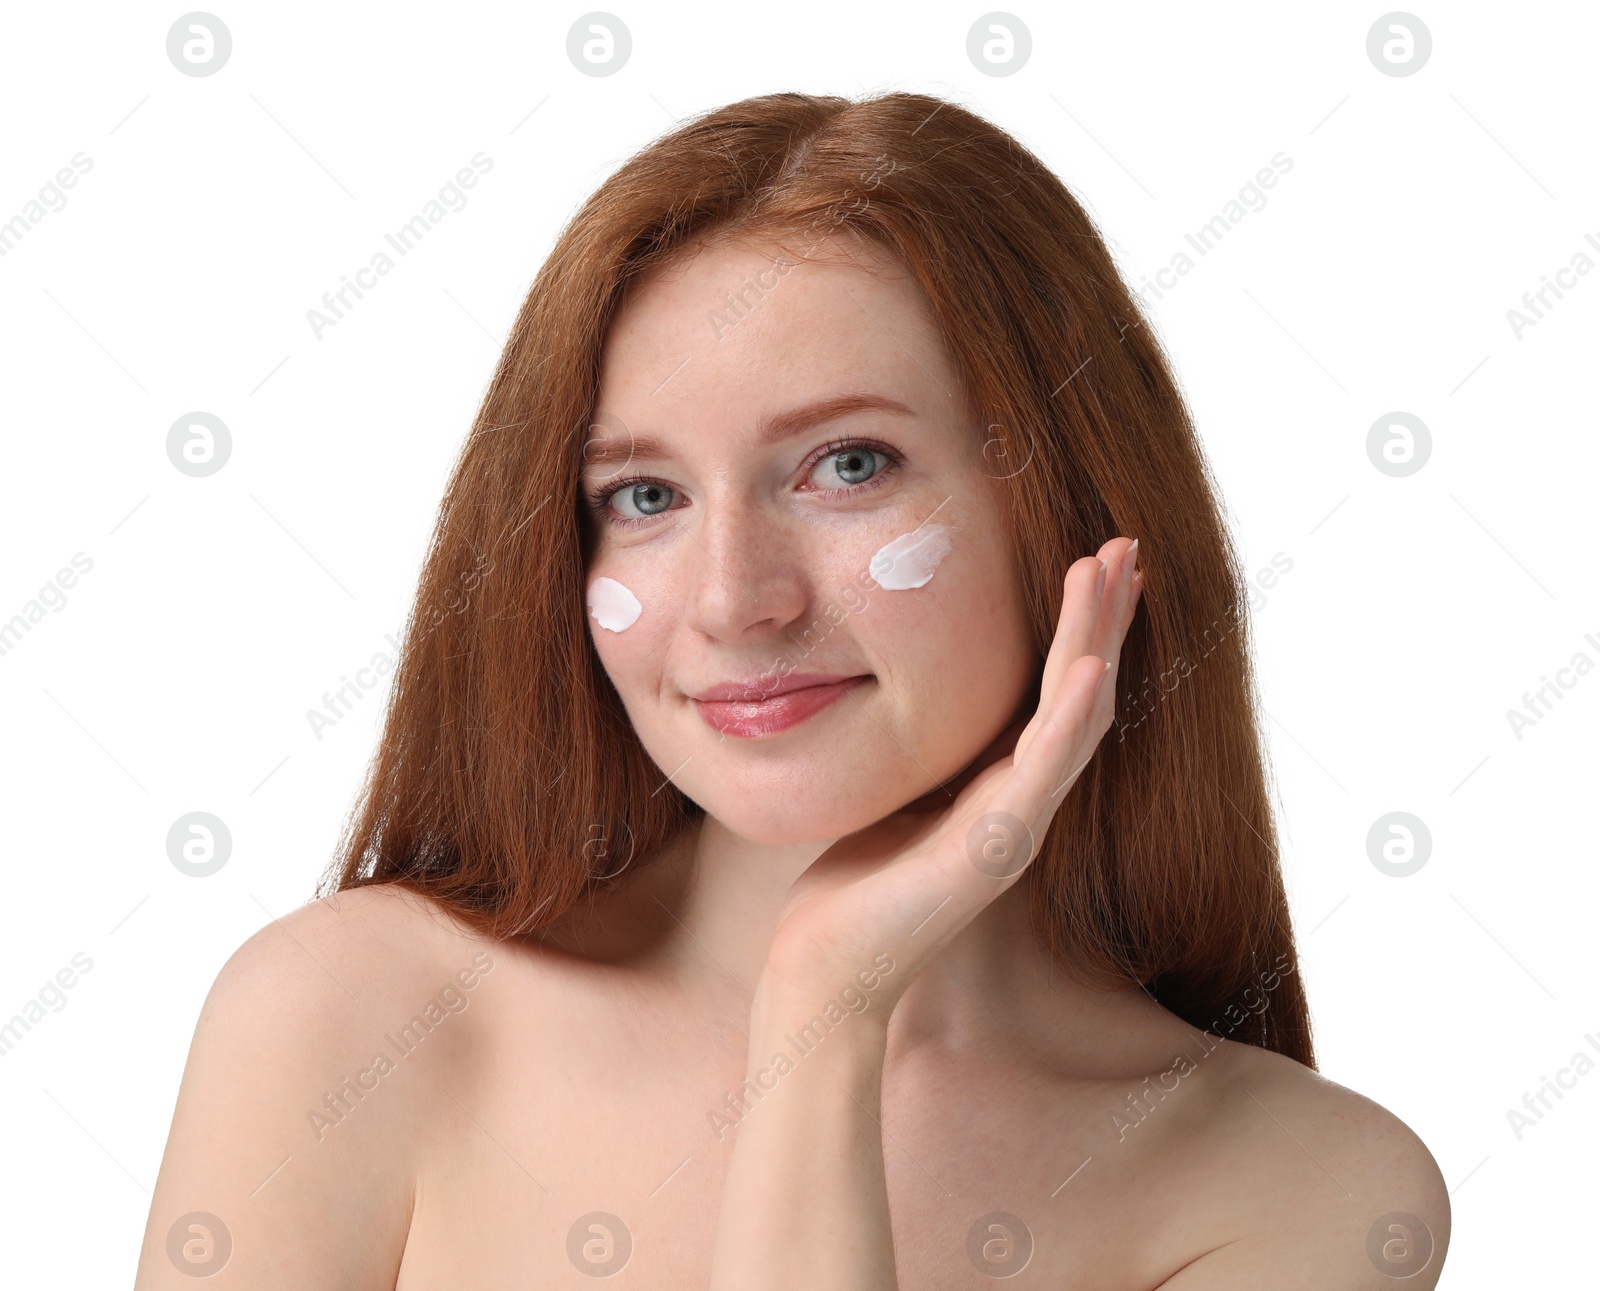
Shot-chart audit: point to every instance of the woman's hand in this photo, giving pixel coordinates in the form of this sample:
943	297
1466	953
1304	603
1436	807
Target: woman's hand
906	885
807	1173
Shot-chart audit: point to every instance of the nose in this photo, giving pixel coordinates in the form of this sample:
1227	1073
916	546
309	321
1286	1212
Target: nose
749	578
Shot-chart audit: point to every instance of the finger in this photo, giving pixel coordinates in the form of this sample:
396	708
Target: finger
1058	752
1081	598
1116	619
1122	561
1083	593
1083	626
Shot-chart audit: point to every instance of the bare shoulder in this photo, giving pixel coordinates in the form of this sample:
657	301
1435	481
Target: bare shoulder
337	967
1332	1191
316	1057
383	928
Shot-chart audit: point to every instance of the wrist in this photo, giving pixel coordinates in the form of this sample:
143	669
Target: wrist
798	1020
869	985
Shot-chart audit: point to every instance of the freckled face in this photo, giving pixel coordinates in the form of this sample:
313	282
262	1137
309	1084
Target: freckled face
747	542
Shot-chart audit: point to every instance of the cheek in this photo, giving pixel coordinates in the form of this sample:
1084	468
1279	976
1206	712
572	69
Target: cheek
912	585
886	582
911	560
613	606
626	618
885	564
940	601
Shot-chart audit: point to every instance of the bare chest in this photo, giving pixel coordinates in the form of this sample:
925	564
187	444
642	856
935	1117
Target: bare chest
559	1157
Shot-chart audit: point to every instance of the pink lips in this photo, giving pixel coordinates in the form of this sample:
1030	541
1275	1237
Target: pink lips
789	701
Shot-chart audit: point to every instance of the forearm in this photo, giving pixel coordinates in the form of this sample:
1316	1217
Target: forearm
805	1203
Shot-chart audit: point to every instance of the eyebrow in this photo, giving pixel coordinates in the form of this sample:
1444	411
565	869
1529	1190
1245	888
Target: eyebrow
771	430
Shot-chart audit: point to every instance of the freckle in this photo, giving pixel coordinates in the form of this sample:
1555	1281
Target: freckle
909	561
614	607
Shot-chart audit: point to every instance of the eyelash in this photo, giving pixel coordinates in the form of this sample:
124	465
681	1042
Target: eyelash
600	503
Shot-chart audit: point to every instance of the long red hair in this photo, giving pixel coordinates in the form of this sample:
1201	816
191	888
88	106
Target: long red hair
509	784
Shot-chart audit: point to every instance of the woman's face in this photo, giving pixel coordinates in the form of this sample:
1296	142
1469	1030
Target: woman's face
739	551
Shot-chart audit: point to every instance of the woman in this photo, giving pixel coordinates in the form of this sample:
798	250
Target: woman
874	887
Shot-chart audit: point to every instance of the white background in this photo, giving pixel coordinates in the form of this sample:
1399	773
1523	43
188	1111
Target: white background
218	610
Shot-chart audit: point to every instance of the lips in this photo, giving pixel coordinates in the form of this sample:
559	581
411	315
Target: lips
728	709
766	686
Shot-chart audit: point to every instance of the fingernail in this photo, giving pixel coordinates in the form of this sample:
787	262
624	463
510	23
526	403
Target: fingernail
1132	558
1100	582
1104	673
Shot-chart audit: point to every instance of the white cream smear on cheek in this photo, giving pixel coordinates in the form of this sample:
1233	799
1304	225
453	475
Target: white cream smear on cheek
909	561
614	607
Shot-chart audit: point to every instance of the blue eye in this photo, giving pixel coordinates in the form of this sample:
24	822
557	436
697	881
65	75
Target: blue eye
859	467
650	497
854	464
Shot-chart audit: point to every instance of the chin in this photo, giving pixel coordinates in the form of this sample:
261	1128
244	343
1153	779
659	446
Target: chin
814	783
778	817
789	825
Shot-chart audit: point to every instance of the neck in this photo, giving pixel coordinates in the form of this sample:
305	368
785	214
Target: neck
993	990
